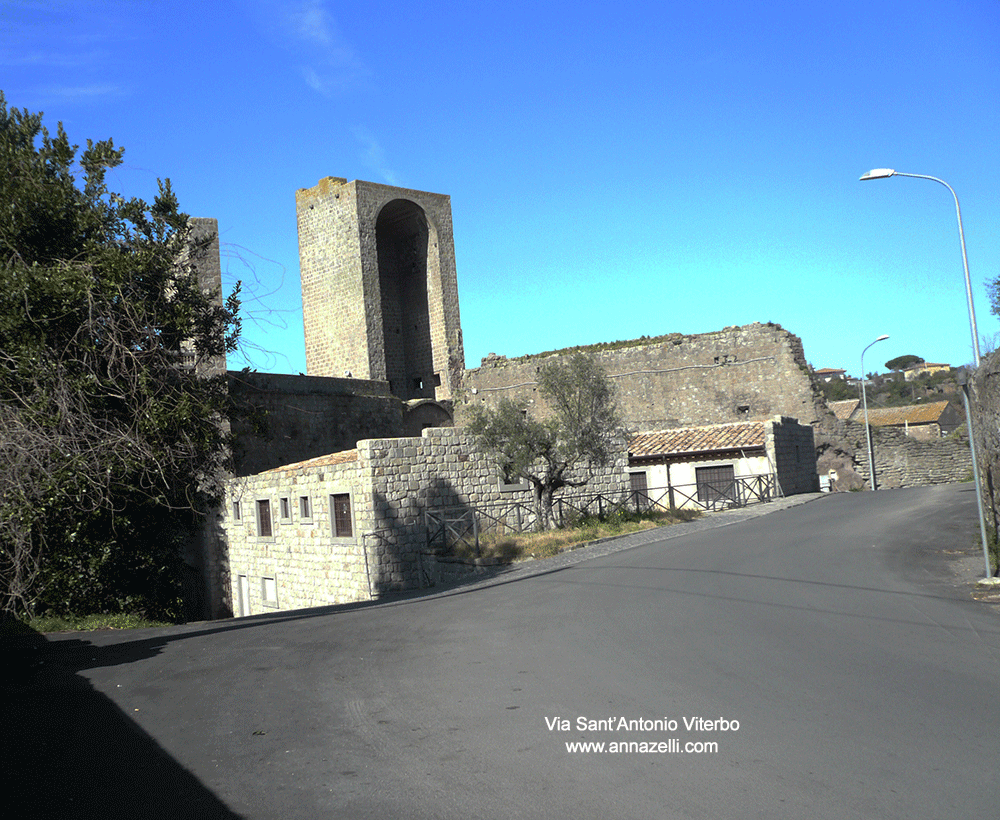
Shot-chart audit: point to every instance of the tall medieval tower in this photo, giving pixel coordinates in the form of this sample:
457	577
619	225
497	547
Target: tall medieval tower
379	288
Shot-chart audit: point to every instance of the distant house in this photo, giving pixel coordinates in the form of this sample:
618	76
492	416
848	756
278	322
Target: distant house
921	421
828	374
914	370
720	464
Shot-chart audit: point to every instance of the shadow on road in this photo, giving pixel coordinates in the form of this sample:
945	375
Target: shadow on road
72	753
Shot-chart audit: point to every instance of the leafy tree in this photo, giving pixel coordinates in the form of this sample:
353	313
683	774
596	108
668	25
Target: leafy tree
902	362
837	390
562	449
109	431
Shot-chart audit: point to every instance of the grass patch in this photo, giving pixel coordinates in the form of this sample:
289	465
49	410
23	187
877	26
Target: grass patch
512	547
87	623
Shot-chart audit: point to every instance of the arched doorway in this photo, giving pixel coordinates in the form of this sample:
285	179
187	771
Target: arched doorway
401	236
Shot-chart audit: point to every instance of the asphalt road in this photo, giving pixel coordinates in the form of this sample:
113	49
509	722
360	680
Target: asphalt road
857	676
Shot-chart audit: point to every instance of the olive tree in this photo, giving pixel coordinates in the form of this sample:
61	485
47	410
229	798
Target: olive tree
562	448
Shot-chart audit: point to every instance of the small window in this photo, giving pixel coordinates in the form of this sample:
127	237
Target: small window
340	510
437	379
305	508
743	410
237	512
264	519
418	383
285	510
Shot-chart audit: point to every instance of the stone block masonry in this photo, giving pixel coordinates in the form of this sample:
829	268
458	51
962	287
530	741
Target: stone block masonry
748	373
284	419
792	451
903	461
985	407
379	286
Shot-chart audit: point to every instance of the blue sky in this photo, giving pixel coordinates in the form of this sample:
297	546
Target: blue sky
615	170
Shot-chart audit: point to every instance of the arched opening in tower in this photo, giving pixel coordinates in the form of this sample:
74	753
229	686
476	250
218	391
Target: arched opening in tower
401	233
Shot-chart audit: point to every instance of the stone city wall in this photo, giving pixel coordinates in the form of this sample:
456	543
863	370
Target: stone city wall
903	461
748	373
985	408
303	417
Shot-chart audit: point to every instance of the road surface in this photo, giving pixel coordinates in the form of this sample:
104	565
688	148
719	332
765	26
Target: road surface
816	662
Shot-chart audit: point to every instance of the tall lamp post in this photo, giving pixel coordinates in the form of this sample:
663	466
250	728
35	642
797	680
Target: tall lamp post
885	173
864	401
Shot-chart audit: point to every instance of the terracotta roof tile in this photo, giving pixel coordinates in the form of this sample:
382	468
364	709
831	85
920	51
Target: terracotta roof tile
843	409
738	436
912	414
343	457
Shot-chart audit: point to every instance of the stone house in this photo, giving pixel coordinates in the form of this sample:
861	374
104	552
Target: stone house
724	464
352	525
914	370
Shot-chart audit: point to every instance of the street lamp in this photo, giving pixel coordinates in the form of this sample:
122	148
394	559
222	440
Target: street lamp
884	173
864	400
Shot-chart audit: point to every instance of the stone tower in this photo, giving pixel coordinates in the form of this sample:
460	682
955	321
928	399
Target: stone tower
379	289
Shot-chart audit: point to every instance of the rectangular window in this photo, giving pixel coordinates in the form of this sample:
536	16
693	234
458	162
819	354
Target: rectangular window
237	512
285	510
305	508
340	510
264	519
269	590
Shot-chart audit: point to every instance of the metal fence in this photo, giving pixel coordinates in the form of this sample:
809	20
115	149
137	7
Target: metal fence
449	527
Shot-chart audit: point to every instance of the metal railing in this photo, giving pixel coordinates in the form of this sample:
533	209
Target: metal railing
448	527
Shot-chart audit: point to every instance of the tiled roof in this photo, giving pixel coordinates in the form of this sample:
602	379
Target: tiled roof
823	370
843	409
343	457
912	414
739	436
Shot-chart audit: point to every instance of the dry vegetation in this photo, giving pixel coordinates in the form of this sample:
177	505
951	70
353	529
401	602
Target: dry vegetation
512	547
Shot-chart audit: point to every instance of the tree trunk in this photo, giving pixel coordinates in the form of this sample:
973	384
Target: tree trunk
544	519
